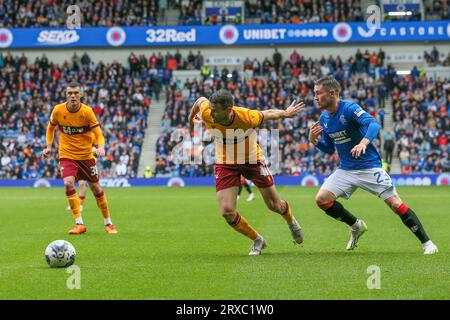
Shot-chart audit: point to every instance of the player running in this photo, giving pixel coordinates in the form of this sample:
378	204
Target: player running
238	153
76	122
344	126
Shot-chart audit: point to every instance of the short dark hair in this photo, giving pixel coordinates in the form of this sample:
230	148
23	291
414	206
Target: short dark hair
330	83
222	97
73	84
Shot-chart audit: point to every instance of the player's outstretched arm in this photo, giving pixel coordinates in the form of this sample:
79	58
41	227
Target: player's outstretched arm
290	112
49	138
196	109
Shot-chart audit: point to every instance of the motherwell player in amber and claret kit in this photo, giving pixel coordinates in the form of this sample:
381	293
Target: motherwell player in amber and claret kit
238	153
78	128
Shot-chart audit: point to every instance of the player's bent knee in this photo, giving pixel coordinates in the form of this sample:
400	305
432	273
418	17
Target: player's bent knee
227	210
229	215
69	185
274	206
97	190
323	203
396	204
399	208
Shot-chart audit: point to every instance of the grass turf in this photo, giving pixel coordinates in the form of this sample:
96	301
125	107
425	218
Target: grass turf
173	244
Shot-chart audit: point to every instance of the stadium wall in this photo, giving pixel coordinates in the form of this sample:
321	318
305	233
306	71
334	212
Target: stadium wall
306	181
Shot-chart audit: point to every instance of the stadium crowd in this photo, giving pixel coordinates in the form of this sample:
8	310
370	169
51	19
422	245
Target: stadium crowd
298	11
102	13
273	83
437	9
119	96
422	124
294	11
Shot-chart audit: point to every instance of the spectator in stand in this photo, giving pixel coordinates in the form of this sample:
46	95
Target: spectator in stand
101	13
389	146
289	81
422	123
120	104
277	57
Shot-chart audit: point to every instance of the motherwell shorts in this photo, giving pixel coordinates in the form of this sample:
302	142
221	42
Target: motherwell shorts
229	175
80	169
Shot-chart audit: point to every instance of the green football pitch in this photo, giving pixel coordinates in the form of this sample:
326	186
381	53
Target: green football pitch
173	244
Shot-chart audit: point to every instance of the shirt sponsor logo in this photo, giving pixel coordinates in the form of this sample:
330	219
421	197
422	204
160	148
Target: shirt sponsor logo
74	130
340	137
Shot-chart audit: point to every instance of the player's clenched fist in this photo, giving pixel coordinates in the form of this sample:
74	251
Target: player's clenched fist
46	152
100	151
314	132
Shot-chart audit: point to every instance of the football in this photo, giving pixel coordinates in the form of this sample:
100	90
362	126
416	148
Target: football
60	254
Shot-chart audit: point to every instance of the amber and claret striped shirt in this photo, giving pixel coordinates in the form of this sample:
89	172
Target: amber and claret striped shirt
236	143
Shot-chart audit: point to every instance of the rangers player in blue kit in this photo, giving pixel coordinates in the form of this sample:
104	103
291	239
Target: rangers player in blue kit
345	126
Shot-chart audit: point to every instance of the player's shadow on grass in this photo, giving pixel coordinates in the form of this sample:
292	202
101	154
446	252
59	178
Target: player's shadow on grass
316	254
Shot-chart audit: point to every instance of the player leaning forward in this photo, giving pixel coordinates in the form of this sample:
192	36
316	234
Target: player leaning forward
344	126
77	122
237	152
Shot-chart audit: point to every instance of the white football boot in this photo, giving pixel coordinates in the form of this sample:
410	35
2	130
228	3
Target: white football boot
429	247
251	197
258	245
297	231
356	231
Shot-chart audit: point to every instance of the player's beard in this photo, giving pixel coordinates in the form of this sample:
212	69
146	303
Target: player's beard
323	105
327	104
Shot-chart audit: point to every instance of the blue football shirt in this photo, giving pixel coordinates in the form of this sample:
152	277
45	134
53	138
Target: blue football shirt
345	129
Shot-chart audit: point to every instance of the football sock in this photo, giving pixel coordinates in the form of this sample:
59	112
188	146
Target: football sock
241	225
102	204
82	198
247	187
287	215
79	220
240	190
337	211
410	220
108	221
74	202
